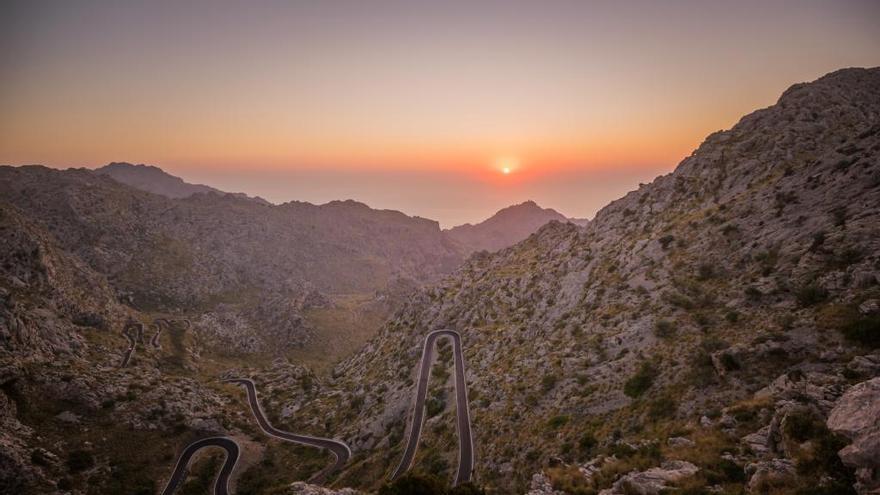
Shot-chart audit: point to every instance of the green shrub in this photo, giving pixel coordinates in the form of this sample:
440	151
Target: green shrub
705	271
664	407
548	382
724	471
557	421
641	381
664	328
435	404
467	489
810	295
864	331
752	293
767	261
80	460
680	300
702	372
39	458
587	443
729	362
414	484
801	426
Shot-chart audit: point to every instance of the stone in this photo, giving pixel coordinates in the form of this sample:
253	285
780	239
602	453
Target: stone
680	442
871	306
540	485
856	415
654	480
67	417
759	442
770	472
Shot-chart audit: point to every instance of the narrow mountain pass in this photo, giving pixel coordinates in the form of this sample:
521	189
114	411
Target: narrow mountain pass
463	417
339	449
221	485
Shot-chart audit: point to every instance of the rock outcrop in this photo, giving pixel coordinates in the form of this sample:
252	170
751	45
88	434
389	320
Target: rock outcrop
856	415
505	228
652	481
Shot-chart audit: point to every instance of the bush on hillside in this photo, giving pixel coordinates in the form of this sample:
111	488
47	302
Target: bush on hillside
640	382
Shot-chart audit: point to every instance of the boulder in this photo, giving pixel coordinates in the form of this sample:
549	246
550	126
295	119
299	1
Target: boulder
871	306
680	442
759	442
773	472
654	480
856	415
540	485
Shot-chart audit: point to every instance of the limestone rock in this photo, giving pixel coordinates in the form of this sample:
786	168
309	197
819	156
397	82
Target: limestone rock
302	488
540	485
770	472
654	480
857	416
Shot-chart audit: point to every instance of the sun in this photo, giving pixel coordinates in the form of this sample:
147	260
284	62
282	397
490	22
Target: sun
507	164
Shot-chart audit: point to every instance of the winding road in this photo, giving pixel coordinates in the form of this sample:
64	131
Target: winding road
463	416
339	449
160	325
221	486
154	340
132	341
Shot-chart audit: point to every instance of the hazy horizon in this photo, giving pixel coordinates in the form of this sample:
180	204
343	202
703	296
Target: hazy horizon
441	200
414	107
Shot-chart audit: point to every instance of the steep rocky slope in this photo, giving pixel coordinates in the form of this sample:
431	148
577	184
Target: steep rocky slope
702	326
68	415
505	228
223	253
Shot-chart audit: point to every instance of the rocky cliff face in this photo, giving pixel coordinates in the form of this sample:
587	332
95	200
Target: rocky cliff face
712	317
505	228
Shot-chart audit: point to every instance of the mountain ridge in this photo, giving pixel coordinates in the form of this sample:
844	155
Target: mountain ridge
153	179
505	228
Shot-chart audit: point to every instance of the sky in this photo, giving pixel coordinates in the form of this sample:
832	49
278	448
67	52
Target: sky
415	106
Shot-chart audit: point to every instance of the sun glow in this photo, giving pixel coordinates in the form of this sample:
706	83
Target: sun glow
507	164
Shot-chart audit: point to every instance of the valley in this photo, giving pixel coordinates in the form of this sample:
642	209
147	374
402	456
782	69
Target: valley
716	330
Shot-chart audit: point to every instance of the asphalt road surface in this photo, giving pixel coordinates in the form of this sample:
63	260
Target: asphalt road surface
130	333
221	485
339	449
154	341
465	439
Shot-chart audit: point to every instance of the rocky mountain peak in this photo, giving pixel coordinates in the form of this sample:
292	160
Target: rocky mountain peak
505	228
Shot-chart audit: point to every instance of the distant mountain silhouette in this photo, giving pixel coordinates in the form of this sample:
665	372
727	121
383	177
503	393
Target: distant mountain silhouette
505	228
157	181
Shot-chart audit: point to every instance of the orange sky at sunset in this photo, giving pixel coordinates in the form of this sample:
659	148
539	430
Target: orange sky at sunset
407	105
